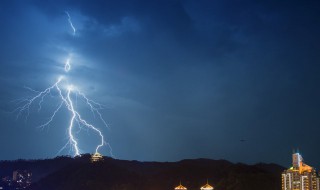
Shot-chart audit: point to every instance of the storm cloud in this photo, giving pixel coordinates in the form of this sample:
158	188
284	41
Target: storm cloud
180	79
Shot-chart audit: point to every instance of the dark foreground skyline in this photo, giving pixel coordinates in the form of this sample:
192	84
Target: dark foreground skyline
80	173
234	80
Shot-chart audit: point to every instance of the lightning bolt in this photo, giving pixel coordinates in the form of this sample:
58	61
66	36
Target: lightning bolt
71	24
66	95
67	65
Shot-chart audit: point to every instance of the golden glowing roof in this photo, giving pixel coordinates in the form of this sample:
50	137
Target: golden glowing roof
304	168
180	187
97	154
207	187
96	157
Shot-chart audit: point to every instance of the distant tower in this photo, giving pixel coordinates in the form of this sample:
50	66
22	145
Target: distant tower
296	160
96	157
300	176
180	187
207	186
15	175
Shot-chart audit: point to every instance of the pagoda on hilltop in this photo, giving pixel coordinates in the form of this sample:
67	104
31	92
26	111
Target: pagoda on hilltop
96	157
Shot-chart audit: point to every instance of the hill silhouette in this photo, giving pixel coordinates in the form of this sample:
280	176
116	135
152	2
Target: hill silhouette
66	173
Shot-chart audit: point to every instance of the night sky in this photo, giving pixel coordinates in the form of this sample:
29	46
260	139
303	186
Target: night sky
236	80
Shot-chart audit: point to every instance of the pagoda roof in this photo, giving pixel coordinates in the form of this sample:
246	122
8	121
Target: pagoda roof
180	187
97	154
96	157
207	187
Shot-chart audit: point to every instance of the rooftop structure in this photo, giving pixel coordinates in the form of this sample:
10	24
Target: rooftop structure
207	187
96	157
300	176
180	187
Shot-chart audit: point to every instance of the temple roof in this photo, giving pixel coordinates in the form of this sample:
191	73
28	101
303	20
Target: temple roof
97	154
180	187
96	157
207	187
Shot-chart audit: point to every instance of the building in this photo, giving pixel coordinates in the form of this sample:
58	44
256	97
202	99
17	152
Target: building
207	187
96	157
180	187
300	176
21	179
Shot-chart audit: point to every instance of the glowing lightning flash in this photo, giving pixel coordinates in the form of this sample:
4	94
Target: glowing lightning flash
67	65
65	95
76	116
71	24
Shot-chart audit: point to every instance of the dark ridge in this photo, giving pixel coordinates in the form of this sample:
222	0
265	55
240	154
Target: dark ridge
79	173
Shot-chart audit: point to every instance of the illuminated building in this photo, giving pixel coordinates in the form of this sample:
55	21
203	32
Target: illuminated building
180	187
207	187
300	176
21	179
96	157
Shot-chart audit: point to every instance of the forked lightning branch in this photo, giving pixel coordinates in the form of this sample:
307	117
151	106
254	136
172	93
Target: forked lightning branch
66	94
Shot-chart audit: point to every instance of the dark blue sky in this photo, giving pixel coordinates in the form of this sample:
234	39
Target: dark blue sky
180	79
